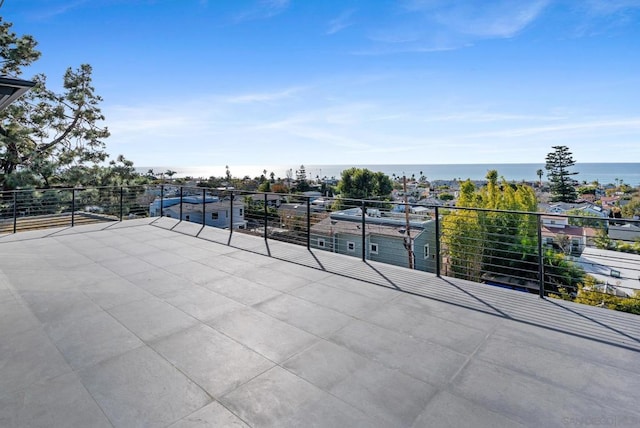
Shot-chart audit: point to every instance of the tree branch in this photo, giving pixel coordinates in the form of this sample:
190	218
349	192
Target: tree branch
44	147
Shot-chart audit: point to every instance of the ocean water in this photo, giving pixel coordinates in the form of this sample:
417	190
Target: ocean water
604	173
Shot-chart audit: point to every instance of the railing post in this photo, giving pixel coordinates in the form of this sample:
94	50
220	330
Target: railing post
204	206
162	200
121	201
364	232
540	257
73	206
180	203
231	214
266	216
437	232
308	222
15	211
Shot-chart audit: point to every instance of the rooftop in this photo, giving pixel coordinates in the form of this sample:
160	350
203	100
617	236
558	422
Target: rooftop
11	89
158	323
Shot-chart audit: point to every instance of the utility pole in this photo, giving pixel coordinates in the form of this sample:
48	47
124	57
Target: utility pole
407	240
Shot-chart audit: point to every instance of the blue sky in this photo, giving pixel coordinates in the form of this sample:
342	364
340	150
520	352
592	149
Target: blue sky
276	82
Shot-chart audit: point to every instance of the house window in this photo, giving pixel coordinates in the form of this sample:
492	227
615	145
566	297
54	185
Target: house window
575	245
241	212
321	243
426	251
351	246
373	248
186	217
214	215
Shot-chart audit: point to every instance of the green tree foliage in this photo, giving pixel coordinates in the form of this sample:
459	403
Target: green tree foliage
540	173
562	185
587	190
16	52
602	240
561	273
588	294
499	242
631	209
510	236
463	236
361	183
43	134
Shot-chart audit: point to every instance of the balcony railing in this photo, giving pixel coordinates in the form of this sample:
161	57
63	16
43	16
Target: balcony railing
526	251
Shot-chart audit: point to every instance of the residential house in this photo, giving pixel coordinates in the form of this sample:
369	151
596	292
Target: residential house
273	199
608	202
557	232
385	238
589	209
217	213
618	273
154	208
628	231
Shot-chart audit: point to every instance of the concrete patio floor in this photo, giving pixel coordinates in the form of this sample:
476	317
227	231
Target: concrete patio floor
141	323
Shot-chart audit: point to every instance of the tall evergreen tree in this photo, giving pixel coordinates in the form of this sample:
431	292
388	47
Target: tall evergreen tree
44	134
563	187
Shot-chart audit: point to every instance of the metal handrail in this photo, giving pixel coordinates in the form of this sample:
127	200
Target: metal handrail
490	255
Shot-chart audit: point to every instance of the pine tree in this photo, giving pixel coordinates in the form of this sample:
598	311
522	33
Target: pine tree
44	135
562	185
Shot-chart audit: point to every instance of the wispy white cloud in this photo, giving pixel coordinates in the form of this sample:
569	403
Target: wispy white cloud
440	25
322	123
604	16
610	6
491	19
488	117
263	9
263	97
56	9
611	126
341	22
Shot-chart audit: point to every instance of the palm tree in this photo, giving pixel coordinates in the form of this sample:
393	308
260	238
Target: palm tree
540	173
170	174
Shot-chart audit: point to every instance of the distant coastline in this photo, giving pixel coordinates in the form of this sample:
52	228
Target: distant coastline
604	173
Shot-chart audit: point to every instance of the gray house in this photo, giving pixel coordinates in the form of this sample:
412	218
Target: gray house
386	239
217	214
629	232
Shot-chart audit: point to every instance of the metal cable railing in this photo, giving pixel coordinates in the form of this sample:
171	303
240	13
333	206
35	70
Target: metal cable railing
547	254
22	210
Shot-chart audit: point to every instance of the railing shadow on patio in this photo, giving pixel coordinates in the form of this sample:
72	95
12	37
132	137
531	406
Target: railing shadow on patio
430	251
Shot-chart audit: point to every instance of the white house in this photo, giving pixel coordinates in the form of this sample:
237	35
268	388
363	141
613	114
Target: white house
556	231
589	209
